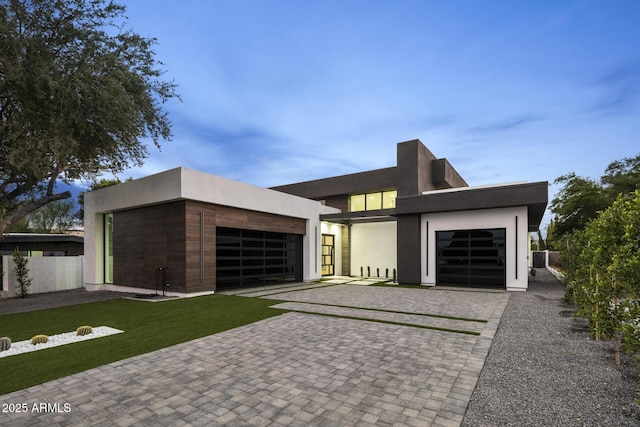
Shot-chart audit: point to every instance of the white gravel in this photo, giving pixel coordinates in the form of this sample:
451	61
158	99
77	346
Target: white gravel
57	340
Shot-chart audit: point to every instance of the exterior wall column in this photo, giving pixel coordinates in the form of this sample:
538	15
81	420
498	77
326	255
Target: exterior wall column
408	249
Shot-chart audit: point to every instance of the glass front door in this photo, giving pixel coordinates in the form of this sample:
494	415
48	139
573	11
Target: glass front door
328	248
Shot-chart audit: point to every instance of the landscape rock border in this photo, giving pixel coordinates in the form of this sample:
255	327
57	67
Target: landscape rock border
25	346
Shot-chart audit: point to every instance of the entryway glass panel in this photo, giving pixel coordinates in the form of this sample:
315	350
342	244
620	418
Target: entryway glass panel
108	248
328	251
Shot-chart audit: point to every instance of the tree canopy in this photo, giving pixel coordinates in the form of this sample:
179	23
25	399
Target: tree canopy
54	217
79	92
581	199
96	185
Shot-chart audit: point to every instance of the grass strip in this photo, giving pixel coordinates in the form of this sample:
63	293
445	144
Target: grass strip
147	327
262	289
391	322
297	290
439	316
398	285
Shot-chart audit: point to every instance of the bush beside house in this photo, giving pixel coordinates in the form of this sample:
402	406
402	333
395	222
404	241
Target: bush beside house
602	265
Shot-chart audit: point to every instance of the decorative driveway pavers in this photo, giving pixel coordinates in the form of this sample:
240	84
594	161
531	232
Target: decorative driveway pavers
296	369
464	326
465	304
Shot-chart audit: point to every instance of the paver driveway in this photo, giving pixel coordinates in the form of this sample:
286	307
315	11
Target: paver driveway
295	369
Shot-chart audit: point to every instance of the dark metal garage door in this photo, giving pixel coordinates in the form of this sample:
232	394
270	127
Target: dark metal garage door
474	258
252	258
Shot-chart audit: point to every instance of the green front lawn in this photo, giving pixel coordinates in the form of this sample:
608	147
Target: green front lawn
147	327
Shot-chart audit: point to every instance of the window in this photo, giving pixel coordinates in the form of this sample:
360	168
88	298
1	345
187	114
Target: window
357	203
389	199
108	248
373	201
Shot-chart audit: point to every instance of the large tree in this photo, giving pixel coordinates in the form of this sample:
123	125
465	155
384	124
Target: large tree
96	185
79	94
581	199
54	217
622	176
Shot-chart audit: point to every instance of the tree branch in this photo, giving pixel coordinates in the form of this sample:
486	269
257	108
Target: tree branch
7	221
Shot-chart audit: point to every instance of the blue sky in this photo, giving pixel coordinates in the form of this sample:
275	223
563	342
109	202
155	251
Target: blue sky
276	92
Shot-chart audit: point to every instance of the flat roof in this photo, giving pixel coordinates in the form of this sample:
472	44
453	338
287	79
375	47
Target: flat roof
40	237
532	195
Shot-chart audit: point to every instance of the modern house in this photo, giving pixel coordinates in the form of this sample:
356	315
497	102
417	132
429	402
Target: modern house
200	233
38	244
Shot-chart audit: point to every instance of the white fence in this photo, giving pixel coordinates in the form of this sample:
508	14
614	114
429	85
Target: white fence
47	273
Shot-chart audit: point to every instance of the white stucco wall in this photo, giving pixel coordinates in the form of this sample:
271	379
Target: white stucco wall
47	273
182	183
516	269
374	245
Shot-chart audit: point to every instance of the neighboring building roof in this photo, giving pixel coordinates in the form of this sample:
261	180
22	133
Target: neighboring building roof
40	237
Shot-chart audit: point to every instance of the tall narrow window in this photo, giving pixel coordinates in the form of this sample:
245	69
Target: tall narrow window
108	248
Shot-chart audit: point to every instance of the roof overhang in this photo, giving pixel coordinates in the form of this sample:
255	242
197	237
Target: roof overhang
532	195
40	238
360	217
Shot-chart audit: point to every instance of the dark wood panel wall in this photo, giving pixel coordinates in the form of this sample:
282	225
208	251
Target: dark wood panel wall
145	239
181	235
200	250
252	220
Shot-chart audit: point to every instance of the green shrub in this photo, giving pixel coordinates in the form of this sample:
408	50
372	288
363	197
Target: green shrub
5	343
39	339
603	273
22	274
84	330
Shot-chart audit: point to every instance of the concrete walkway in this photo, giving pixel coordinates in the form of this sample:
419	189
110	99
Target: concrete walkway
297	369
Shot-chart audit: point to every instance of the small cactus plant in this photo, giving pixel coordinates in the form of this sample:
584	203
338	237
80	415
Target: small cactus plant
39	339
5	343
84	330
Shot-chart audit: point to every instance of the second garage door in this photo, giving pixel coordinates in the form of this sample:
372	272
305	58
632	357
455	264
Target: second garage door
474	258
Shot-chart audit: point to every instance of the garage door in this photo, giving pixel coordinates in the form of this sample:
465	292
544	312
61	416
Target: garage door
252	258
474	258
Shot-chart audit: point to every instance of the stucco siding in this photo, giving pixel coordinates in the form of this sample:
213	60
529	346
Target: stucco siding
373	245
514	220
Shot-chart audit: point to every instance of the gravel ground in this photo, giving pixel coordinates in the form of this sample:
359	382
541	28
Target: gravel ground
544	370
